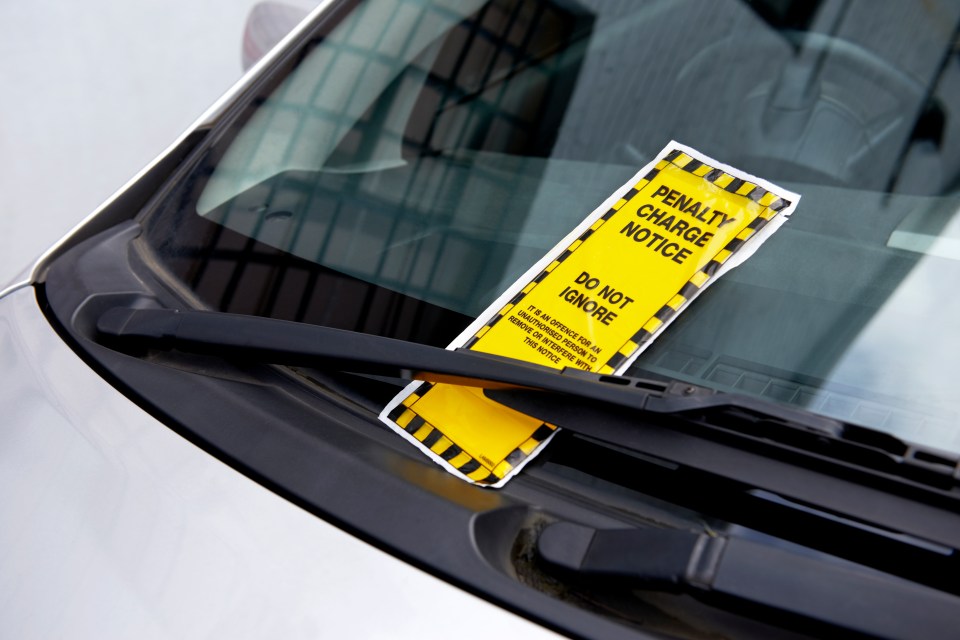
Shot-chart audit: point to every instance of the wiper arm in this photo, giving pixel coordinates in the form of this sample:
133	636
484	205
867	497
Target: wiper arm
809	459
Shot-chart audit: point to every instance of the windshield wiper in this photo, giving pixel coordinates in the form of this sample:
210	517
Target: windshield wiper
833	466
772	581
742	441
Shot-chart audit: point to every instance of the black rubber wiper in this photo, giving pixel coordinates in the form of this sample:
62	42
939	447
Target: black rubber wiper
267	340
774	582
254	338
837	467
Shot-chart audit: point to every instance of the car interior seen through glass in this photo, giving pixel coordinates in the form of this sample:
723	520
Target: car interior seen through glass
421	156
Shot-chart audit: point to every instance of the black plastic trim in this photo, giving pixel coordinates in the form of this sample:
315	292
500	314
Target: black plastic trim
314	449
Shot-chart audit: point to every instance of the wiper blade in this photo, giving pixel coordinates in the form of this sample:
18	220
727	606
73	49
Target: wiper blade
768	579
267	340
259	339
813	460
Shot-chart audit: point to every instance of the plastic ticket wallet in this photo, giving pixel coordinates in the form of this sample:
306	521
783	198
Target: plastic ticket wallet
595	301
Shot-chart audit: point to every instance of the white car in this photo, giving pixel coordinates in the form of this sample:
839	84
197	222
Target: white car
191	379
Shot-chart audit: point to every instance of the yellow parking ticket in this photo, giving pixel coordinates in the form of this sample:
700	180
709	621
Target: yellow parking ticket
595	302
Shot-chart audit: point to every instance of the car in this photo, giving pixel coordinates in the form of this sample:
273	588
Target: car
194	377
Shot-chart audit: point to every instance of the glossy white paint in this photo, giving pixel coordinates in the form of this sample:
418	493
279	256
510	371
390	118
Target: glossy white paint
206	118
113	526
91	92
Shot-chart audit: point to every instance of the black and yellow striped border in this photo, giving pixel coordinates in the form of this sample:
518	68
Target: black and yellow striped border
772	203
487	473
432	440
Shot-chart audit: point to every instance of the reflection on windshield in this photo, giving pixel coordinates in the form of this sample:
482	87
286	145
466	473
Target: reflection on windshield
423	155
906	356
394	180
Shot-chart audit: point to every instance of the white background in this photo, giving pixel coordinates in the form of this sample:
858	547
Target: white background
91	92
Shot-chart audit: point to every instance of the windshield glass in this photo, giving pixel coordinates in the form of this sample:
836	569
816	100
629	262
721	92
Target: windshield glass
420	156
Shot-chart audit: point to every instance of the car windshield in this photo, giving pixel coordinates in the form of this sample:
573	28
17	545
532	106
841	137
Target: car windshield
418	157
